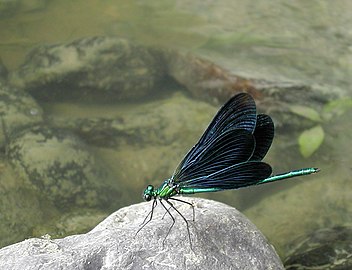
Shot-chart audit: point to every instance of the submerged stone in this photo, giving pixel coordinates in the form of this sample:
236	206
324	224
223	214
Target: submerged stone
18	110
329	248
94	68
58	164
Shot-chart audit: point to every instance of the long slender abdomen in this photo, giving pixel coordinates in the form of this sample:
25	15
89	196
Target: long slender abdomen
290	174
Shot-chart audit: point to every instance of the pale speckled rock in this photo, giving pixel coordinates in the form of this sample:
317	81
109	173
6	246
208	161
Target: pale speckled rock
59	165
18	110
95	68
222	238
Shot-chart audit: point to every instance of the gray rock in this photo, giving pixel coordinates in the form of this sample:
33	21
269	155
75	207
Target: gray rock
222	238
96	68
59	165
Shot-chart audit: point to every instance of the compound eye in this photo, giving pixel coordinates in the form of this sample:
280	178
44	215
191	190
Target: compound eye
148	193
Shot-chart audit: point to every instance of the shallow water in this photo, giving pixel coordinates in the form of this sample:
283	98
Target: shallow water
302	41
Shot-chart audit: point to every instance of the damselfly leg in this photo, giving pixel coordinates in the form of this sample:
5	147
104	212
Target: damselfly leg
155	202
185	220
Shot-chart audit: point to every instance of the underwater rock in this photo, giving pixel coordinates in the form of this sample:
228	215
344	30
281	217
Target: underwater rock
33	5
159	122
110	132
205	80
3	72
107	69
10	7
329	248
93	69
20	207
221	237
18	110
210	82
310	204
58	164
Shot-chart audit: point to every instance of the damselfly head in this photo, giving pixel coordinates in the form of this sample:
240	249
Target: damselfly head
148	193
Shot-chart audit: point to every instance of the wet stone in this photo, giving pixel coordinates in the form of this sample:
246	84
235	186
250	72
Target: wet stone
3	72
20	207
160	122
8	8
18	110
58	164
329	248
93	69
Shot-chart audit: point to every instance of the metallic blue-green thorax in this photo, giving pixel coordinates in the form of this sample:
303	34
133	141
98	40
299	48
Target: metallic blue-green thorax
166	190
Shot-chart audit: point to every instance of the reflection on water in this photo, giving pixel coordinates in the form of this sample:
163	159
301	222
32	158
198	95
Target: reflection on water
128	143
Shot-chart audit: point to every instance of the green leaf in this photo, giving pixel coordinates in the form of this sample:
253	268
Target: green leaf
337	107
310	140
306	112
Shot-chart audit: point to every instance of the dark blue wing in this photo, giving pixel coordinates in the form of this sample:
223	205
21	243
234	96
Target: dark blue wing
263	134
233	177
232	147
238	113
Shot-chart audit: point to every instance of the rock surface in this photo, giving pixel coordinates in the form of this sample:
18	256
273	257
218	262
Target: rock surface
221	237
